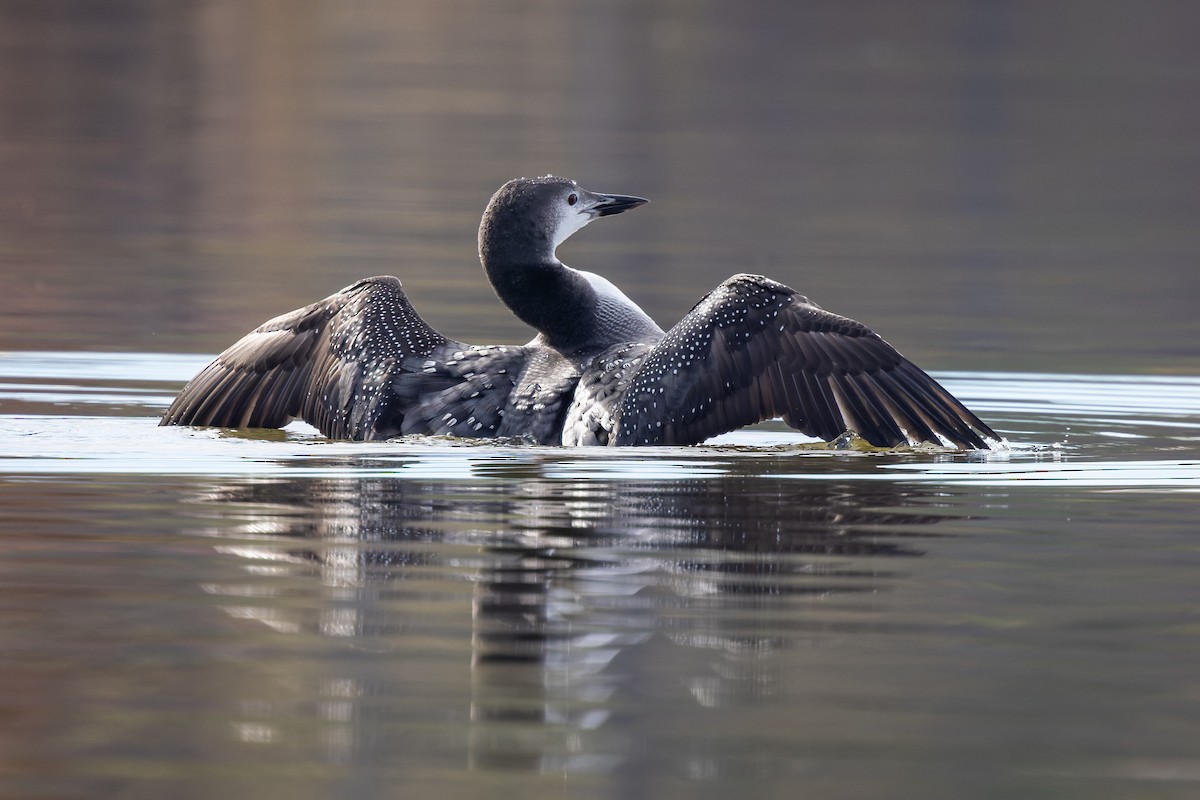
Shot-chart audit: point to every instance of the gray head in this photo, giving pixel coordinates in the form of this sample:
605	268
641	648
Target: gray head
528	218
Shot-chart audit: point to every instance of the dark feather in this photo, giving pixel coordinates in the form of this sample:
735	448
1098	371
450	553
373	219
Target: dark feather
754	349
331	363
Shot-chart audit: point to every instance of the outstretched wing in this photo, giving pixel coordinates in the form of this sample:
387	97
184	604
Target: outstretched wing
333	364
753	349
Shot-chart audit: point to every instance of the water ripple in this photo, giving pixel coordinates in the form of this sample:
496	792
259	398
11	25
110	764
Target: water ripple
85	413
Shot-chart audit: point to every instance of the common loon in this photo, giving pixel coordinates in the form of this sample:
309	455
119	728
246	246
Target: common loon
361	364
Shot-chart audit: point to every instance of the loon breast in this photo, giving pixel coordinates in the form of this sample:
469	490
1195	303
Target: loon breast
594	410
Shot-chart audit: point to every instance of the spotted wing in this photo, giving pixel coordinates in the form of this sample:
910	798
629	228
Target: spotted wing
462	393
332	364
753	349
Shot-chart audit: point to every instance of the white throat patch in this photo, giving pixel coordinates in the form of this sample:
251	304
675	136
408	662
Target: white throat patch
569	222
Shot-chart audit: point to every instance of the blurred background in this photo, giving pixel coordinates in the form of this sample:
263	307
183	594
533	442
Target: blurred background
1002	186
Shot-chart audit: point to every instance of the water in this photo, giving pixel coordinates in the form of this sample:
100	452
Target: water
198	612
1005	191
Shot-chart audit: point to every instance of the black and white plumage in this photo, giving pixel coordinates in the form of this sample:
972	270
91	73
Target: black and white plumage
362	364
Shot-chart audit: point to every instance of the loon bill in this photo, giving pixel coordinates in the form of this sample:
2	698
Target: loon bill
362	364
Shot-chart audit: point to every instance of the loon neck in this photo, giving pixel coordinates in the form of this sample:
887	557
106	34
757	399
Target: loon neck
548	296
577	313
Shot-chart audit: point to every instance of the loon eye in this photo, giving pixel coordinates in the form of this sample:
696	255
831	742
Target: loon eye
572	199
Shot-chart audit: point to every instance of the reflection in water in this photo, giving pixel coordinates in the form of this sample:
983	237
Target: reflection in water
581	592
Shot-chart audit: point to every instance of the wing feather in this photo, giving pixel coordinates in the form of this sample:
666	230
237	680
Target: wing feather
754	349
332	364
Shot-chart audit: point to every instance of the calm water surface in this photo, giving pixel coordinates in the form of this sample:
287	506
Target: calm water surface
1007	191
196	613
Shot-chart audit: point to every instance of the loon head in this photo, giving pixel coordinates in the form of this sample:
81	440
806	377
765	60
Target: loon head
528	218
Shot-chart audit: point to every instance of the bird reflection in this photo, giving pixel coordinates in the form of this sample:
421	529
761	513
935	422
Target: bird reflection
580	590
